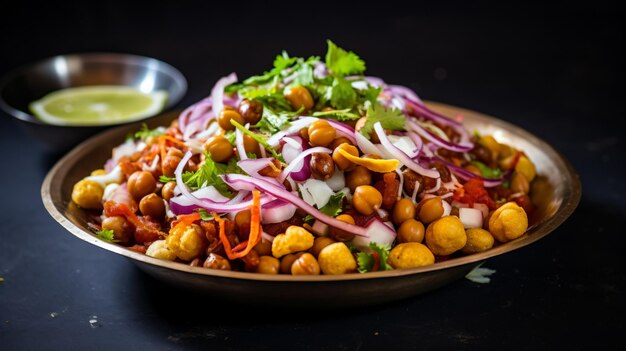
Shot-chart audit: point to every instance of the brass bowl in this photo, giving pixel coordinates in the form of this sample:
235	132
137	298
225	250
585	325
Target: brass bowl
556	194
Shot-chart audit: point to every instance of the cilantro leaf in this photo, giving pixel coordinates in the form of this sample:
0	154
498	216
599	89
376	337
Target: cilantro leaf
341	62
204	215
271	121
332	208
281	62
370	94
207	174
378	254
165	179
486	171
144	133
260	138
340	115
389	118
342	94
106	235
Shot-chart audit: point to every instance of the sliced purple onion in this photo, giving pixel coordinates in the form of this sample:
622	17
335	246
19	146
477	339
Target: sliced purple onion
375	231
183	205
238	181
296	162
401	156
343	130
207	205
366	146
277	211
466	175
241	150
404	92
293	128
471	217
217	93
423	132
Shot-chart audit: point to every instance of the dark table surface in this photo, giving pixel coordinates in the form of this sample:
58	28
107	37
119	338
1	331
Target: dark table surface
557	72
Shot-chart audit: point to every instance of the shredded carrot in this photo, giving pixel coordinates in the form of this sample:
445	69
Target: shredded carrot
245	247
163	147
112	208
186	219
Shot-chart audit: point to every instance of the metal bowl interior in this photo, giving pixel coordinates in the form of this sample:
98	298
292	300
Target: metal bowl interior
31	82
556	194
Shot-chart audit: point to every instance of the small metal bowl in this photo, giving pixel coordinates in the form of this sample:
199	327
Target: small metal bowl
31	82
555	194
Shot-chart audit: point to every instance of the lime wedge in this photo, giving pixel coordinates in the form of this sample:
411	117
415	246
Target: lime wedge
97	105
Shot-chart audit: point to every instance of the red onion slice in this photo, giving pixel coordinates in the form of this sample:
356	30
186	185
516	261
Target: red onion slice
295	163
293	128
238	181
217	93
423	132
277	211
343	130
376	231
401	156
465	174
241	150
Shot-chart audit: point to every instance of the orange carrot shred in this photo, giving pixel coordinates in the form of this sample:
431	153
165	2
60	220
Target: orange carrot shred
255	230
186	219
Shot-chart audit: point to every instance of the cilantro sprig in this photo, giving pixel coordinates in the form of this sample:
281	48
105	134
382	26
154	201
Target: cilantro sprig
145	132
333	208
106	235
389	118
375	260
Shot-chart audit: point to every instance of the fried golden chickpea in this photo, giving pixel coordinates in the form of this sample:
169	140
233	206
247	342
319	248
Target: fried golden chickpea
220	148
223	119
446	236
295	239
88	194
403	209
167	191
321	133
319	243
411	230
250	110
268	265
431	209
299	97
478	240
140	184
306	264
152	205
187	242
366	199
336	258
340	160
215	261
508	222
122	230
410	255
358	176
526	167
159	249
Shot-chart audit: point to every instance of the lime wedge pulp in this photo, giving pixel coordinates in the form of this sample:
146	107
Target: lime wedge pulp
97	105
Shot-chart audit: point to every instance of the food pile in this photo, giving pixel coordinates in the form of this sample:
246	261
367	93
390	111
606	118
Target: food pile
310	168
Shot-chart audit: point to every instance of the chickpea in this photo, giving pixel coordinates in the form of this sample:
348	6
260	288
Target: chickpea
336	258
167	191
215	261
159	249
508	222
478	240
250	145
220	148
446	236
272	170
268	265
187	242
88	194
287	261
223	119
430	209
263	248
341	235
411	230
242	223
306	264
366	199
490	143
410	255
338	141
322	165
321	133
171	161
250	110
473	169
152	205
319	243
299	97
251	261
140	184
519	183
341	161
526	167
122	230
403	210
295	239
359	176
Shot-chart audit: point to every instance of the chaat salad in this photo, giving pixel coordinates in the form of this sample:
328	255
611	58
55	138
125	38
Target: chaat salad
310	168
